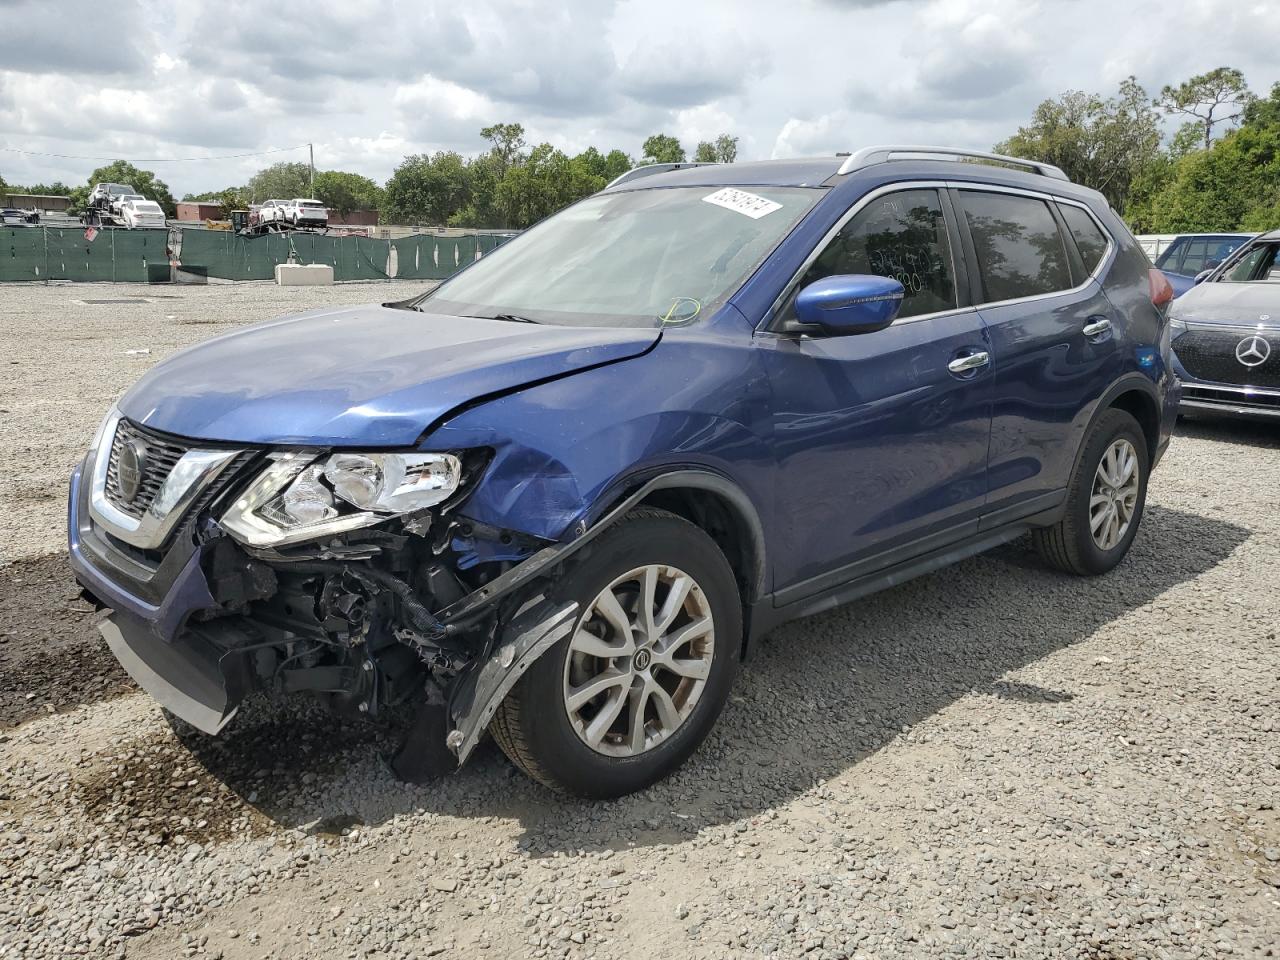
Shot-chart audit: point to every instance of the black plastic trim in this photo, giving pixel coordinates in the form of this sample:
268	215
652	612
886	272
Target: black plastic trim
480	600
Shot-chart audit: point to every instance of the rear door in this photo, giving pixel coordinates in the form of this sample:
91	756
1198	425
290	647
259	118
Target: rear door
1053	333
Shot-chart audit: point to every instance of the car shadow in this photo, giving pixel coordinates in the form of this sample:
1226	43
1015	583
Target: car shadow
1251	433
879	667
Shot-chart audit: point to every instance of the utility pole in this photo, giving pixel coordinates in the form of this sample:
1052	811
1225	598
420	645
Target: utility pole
311	152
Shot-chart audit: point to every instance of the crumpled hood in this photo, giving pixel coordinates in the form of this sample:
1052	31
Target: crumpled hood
366	376
1244	304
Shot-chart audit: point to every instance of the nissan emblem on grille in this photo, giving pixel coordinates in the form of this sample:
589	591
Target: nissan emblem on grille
1253	351
130	466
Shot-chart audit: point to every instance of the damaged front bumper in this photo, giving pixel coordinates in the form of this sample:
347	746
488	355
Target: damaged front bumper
173	630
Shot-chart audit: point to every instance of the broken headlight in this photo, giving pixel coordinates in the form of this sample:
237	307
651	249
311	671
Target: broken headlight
302	496
393	482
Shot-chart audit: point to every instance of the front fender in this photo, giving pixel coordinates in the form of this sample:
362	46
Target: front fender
565	451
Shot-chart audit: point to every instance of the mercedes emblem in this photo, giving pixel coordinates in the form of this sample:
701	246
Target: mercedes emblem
1253	351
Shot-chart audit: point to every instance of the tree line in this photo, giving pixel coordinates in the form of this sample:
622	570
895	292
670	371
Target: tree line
510	185
1220	170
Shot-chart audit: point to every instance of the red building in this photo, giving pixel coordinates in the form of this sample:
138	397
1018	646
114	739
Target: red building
198	212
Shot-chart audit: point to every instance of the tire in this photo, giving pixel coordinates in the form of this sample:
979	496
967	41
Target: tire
1070	544
536	725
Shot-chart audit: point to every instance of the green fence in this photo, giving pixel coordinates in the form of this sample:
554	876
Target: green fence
57	253
426	257
66	253
232	257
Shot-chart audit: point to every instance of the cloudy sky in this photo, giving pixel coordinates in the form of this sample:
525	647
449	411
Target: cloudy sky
369	82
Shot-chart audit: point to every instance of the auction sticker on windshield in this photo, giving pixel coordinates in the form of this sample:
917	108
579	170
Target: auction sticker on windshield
742	202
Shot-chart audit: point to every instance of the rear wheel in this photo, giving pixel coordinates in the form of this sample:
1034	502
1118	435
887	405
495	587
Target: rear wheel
1104	501
627	696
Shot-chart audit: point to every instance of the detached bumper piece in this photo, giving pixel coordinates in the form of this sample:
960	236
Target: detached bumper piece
432	748
184	675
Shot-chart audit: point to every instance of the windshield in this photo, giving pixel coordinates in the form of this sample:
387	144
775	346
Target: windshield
635	259
1258	265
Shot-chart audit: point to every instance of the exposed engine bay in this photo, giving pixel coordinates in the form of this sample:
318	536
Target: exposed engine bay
375	622
428	617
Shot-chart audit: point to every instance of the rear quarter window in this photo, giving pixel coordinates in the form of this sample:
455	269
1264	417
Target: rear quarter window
1090	241
1019	248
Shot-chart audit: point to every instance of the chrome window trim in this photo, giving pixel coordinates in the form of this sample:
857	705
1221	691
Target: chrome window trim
186	481
1103	264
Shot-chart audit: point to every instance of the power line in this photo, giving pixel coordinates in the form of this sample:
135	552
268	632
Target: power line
229	156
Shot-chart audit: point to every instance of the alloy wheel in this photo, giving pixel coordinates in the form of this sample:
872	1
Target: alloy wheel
639	660
1114	496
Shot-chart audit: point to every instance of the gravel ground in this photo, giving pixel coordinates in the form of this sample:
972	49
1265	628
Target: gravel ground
991	761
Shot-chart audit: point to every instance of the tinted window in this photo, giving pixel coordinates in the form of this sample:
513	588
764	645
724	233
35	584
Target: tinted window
1020	251
1090	241
1194	257
900	235
1168	259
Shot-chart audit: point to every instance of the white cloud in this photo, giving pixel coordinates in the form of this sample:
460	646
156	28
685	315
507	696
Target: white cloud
804	138
369	83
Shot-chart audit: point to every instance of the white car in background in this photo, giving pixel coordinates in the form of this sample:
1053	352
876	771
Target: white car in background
302	212
137	211
270	211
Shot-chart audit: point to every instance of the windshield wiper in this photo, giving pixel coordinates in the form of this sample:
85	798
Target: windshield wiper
511	317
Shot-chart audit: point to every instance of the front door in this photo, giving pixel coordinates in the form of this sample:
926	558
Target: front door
880	438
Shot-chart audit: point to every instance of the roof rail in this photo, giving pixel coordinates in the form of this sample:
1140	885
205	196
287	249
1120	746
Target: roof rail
649	169
868	156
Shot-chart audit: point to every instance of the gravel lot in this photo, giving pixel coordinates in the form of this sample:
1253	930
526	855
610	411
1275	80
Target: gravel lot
991	761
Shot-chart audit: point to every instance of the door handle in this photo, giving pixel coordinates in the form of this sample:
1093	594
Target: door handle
968	363
1097	326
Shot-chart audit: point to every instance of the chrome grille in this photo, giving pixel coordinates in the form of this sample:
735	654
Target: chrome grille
161	455
1211	355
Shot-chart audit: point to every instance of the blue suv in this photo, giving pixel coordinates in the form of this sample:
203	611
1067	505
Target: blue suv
557	497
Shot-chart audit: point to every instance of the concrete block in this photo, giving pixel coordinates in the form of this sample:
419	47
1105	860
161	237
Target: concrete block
304	275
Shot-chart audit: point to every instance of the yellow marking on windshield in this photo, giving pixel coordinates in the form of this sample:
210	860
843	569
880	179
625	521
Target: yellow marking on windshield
669	316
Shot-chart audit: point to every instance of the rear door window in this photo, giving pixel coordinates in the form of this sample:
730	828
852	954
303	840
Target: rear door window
1020	251
1194	256
901	235
1168	258
1090	241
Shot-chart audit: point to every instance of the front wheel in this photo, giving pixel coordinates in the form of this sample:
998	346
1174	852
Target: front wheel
1105	500
631	692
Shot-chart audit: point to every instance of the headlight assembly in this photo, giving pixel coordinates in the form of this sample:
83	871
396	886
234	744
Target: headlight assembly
303	496
393	482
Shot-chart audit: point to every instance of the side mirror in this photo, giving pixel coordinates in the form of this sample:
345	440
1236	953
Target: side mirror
1203	275
853	303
